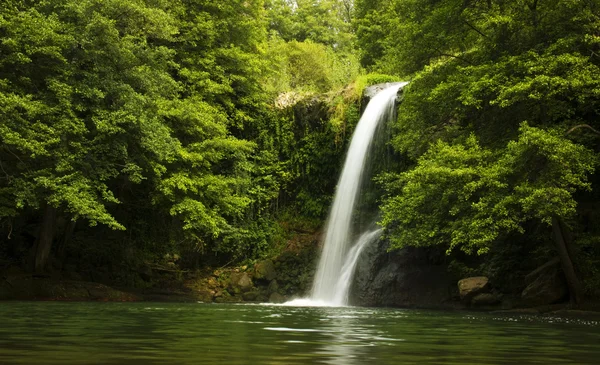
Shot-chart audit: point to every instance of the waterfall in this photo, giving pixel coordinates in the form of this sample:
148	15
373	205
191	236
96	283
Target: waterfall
337	262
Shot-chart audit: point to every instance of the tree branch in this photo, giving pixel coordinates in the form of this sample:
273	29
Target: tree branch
475	29
582	126
453	56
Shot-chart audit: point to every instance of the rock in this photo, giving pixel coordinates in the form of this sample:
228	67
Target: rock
273	286
205	296
545	285
241	281
470	287
371	91
276	298
250	296
410	277
265	270
482	299
542	270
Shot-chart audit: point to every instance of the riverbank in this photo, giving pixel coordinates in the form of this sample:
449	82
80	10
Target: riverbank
31	288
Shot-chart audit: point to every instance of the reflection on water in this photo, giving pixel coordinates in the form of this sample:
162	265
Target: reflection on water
157	333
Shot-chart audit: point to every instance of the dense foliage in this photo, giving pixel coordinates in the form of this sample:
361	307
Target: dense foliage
145	132
156	118
499	120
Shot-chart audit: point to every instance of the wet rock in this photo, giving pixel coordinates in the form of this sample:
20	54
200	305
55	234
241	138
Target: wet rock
370	91
265	270
470	287
545	285
276	298
411	277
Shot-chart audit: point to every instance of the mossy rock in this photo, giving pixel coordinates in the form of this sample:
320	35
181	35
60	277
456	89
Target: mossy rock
250	296
265	270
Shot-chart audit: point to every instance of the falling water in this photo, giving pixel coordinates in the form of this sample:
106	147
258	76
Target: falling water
343	284
331	284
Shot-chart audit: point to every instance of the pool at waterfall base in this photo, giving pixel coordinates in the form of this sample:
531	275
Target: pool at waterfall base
198	333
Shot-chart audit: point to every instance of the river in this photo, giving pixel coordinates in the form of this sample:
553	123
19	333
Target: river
175	333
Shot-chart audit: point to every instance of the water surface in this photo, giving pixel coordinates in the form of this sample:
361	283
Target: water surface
158	333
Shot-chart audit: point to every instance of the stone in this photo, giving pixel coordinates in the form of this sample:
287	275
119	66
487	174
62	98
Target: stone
470	287
241	280
212	282
265	270
276	298
482	299
273	286
545	285
370	91
250	296
413	277
205	296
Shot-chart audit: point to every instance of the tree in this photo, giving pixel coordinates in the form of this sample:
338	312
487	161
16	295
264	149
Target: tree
466	197
107	105
78	88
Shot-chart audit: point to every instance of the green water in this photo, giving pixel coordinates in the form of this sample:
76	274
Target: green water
158	333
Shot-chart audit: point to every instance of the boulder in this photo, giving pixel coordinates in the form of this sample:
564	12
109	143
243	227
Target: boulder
483	299
273	286
250	296
241	281
276	298
410	277
545	285
470	287
205	296
265	270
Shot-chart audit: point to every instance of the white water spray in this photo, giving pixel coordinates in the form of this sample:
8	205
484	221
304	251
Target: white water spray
337	263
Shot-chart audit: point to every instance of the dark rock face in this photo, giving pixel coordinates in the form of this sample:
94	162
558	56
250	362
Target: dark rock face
410	277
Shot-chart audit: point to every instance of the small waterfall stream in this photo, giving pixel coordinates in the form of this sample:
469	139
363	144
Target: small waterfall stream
338	260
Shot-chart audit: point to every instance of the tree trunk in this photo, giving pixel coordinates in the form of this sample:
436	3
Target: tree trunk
561	240
45	238
70	228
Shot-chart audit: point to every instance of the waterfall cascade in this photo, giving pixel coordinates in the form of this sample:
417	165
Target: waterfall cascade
338	260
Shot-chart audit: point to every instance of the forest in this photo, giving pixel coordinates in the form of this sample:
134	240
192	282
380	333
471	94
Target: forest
191	135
